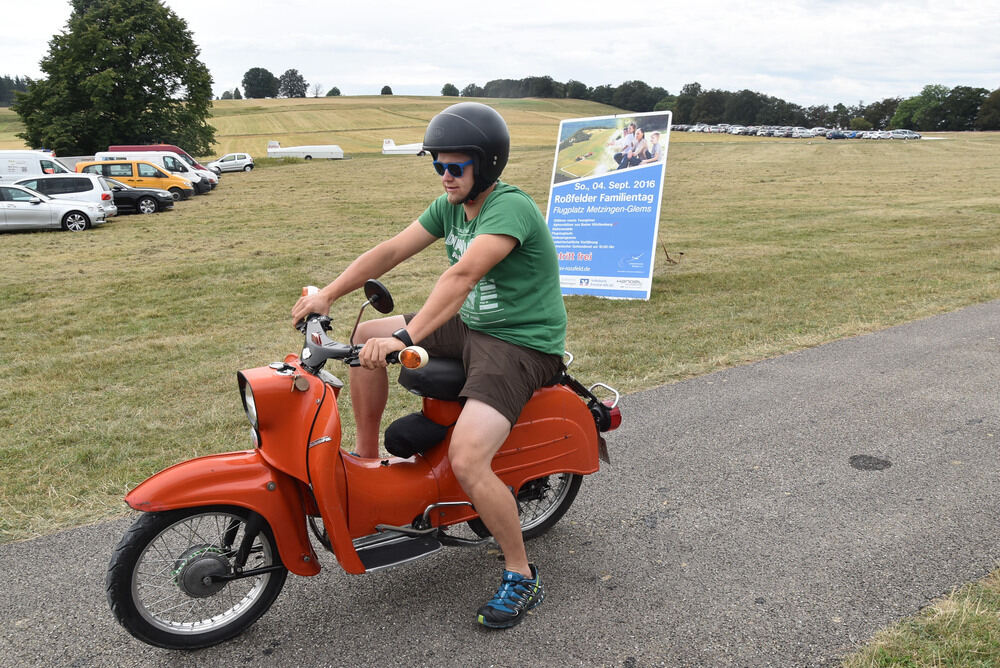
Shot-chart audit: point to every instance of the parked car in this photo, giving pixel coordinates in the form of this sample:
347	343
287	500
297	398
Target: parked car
15	165
800	133
24	209
835	134
139	174
140	200
232	162
81	187
904	134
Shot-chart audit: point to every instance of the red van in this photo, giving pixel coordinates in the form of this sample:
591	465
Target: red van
160	147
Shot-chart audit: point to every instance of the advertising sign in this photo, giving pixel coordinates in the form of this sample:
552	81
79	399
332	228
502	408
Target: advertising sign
604	205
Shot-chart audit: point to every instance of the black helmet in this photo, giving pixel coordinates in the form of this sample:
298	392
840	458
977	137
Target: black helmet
475	129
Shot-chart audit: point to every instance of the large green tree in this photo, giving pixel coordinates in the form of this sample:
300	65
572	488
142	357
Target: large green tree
259	82
292	84
121	72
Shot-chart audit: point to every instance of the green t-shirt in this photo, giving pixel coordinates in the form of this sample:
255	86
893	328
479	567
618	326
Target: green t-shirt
519	300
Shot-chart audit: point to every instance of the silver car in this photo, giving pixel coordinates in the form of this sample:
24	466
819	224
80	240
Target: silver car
25	209
232	162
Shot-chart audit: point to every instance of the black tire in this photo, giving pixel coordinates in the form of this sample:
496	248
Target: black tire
248	168
177	194
158	586
309	157
75	221
146	205
541	503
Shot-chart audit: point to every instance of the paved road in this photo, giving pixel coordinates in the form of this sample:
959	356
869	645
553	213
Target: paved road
775	514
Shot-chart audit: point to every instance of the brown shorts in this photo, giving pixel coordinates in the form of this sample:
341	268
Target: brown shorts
500	374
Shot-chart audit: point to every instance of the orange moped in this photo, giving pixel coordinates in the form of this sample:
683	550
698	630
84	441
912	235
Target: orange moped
218	534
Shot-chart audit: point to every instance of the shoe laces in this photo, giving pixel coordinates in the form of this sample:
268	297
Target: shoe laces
513	591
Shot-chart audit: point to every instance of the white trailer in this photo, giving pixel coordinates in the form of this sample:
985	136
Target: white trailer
325	151
389	147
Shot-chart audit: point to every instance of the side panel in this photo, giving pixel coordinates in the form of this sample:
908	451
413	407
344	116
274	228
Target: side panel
235	479
391	491
554	434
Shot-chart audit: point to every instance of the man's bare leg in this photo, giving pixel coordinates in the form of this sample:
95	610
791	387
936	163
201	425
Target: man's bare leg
478	434
370	388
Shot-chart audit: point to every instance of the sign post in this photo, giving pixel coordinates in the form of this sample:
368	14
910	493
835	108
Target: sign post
604	204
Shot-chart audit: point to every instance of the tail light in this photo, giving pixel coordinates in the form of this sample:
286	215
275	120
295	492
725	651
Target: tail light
607	415
615	415
105	197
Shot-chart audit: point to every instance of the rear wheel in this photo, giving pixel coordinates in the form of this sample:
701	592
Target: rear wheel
248	168
541	503
146	205
75	221
165	581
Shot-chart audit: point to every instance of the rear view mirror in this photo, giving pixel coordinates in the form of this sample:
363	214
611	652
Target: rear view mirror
378	296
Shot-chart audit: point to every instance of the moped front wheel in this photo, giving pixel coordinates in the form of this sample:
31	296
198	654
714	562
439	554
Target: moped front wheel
170	580
541	503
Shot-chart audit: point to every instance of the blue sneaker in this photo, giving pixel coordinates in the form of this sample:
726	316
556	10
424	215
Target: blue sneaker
516	595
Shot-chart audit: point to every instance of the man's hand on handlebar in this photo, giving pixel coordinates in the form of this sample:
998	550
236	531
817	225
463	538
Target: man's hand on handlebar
375	351
308	304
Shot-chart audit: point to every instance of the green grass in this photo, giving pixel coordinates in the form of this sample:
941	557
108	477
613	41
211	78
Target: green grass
119	346
961	630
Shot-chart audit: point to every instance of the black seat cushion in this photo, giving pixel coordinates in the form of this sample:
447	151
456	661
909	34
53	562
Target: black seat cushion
413	434
442	378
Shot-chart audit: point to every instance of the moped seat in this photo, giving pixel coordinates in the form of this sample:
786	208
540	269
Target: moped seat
442	378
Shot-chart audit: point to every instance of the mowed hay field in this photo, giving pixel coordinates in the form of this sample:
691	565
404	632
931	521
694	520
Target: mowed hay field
119	346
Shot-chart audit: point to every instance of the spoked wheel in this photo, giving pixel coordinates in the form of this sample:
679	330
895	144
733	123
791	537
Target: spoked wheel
74	221
146	205
541	502
166	581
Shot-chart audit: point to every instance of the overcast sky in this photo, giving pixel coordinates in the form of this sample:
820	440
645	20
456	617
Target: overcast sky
806	51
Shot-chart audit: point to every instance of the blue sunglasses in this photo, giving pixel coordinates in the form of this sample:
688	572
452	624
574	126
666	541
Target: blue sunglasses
456	169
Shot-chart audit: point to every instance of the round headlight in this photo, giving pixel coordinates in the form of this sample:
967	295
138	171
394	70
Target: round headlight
249	405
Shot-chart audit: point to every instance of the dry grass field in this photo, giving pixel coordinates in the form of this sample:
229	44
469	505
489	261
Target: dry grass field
119	346
765	247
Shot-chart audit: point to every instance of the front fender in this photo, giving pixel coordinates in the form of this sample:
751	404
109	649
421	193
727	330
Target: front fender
236	479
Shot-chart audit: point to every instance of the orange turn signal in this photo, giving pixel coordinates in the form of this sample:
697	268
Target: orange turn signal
413	357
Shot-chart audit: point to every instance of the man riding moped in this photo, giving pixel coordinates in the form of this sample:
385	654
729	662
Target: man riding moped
498	308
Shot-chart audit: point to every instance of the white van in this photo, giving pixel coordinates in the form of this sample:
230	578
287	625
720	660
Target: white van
203	180
16	165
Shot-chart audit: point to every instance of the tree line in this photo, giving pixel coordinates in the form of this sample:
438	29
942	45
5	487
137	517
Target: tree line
259	82
935	108
9	86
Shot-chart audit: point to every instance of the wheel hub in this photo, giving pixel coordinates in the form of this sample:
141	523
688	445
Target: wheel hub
194	569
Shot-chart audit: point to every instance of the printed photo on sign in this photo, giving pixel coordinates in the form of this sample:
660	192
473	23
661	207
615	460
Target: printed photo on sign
595	146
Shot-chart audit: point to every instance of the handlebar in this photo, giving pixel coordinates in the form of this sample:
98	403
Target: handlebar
318	348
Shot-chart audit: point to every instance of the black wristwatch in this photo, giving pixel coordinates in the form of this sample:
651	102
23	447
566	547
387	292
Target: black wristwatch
403	336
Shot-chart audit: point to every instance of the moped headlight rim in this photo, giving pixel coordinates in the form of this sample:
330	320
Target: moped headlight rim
249	403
